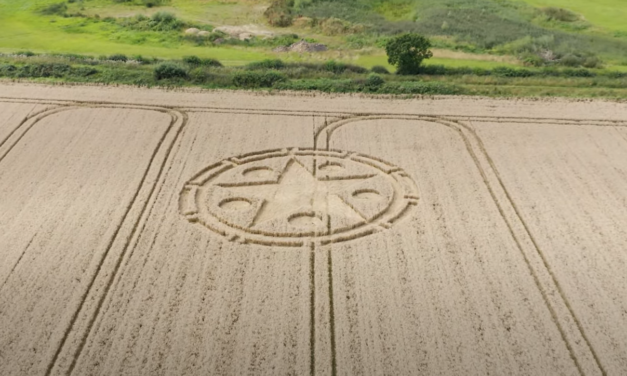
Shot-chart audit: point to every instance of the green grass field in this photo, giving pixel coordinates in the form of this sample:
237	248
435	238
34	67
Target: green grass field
21	28
605	14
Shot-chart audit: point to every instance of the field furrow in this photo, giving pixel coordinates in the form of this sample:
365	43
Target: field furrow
13	114
66	187
569	183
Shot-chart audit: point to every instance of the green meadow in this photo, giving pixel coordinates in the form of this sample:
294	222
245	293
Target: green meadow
470	38
604	14
23	28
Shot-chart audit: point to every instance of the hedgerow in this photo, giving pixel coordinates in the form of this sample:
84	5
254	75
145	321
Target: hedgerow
257	79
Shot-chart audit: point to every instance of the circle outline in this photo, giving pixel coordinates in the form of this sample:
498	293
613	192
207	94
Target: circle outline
404	197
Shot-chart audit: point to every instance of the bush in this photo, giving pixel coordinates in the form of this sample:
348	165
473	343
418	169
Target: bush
168	70
481	72
533	60
165	17
44	70
54	9
592	62
373	82
279	40
339	68
379	69
199	76
7	70
511	72
55	70
160	21
423	88
559	14
267	64
26	53
407	52
257	79
154	3
335	26
578	73
144	60
209	62
615	74
192	60
195	61
326	85
84	71
571	60
433	70
279	13
118	57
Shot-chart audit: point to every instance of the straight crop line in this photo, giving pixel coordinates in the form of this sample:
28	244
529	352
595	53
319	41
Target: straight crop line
621	134
140	231
312	274
109	246
534	275
332	313
42	115
183	118
539	251
312	311
275	112
18	261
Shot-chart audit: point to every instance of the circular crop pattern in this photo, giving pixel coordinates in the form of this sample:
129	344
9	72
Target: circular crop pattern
297	197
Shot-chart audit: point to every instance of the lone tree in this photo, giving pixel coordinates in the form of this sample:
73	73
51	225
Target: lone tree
407	51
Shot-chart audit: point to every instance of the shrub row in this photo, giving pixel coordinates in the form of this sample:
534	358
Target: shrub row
330	66
440	70
45	70
257	79
335	67
370	85
195	61
273	78
437	70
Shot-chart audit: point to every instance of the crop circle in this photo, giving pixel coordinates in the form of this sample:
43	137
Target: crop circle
297	197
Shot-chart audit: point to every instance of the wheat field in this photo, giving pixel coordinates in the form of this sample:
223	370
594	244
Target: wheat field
150	232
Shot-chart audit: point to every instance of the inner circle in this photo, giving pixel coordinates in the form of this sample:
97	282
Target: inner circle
258	172
367	194
235	204
309	219
331	167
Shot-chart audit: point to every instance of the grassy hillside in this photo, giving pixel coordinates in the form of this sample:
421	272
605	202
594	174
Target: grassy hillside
355	30
24	25
485	26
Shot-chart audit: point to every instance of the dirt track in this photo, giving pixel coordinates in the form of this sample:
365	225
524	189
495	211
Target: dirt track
147	232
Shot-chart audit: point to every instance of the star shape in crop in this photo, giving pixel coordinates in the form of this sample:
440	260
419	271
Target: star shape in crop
298	190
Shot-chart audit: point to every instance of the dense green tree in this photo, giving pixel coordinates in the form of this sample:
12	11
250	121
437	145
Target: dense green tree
407	51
